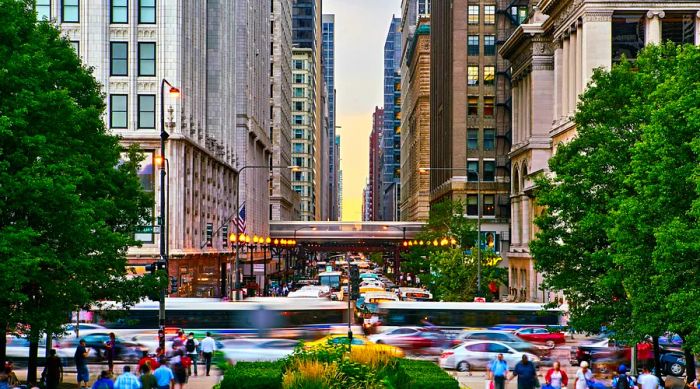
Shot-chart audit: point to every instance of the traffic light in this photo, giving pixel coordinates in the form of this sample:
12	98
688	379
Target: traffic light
210	233
224	235
173	285
354	282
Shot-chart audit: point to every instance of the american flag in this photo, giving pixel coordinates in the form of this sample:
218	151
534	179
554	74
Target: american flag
240	220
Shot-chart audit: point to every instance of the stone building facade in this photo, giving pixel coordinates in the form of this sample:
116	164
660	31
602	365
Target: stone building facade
553	56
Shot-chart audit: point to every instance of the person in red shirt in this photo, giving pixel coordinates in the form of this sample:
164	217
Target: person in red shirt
493	288
149	360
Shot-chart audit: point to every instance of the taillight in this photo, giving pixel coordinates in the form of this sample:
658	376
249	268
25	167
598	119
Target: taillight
446	354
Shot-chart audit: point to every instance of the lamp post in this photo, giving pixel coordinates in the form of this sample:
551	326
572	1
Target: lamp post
424	170
175	92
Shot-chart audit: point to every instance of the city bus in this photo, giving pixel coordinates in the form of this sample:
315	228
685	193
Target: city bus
330	279
415	294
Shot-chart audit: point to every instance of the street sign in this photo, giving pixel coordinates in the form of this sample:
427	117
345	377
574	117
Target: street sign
148	229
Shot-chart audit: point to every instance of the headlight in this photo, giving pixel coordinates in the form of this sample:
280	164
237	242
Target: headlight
681	360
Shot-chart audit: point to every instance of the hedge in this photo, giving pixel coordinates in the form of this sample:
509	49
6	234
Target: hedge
253	375
425	374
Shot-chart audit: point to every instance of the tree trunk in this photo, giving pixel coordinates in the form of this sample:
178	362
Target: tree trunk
3	344
49	345
689	362
33	358
657	357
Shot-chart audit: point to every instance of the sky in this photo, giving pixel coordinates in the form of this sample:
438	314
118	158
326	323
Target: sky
361	27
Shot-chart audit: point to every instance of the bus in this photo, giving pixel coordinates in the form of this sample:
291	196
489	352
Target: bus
415	294
330	279
450	315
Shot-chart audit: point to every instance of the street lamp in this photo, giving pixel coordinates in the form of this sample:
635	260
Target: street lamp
174	92
424	170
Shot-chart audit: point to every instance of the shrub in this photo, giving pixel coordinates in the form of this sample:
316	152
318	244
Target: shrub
424	374
253	375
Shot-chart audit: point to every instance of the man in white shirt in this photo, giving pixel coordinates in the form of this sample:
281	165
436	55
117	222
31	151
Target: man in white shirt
208	346
646	380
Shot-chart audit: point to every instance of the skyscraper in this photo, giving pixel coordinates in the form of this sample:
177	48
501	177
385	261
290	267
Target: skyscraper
328	61
375	164
304	134
391	138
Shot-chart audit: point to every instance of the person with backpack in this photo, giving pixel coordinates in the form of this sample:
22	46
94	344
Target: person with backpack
622	380
105	381
192	350
583	375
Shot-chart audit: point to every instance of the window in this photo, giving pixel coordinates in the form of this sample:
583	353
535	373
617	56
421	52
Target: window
678	28
489	173
70	11
298	105
298	147
489	207
489	139
297	176
118	111
120	11
119	59
497	348
472	75
489	75
472	205
628	32
43	9
472	139
76	46
472	171
298	64
298	119
472	105
298	133
519	14
147	59
489	14
473	45
489	45
298	161
488	105
473	14
147	11
147	111
298	92
298	78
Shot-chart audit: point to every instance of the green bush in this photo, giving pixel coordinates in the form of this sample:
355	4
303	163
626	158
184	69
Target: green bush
253	375
424	375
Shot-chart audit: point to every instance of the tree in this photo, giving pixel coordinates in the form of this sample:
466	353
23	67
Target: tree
69	205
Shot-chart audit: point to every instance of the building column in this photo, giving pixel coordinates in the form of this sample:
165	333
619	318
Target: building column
516	112
557	80
653	27
579	60
697	28
515	221
564	78
574	69
525	205
597	28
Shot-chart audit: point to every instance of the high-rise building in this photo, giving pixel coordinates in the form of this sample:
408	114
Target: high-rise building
391	138
328	61
366	203
552	64
304	134
282	197
470	111
339	191
132	48
375	164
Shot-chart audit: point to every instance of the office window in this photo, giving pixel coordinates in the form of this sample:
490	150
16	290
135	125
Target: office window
489	139
298	161
147	59
118	111
147	111
298	64
298	92
298	78
489	45
297	176
473	45
147	11
489	14
298	105
472	205
489	75
472	171
489	171
488	105
119	63
678	28
43	9
120	11
76	46
628	32
298	147
70	11
473	14
489	205
472	105
298	119
472	75
472	139
298	133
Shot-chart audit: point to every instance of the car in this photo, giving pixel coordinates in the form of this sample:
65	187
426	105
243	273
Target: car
672	363
541	335
605	355
70	327
359	341
502	336
254	350
411	338
477	354
151	342
124	350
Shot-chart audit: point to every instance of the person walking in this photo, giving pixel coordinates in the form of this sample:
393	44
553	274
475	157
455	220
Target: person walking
192	349
646	380
208	346
583	375
148	381
110	350
164	376
622	380
4	379
497	371
80	356
104	382
526	373
53	372
556	377
127	380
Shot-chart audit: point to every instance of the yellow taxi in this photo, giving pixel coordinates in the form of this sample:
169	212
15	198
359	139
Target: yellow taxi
359	341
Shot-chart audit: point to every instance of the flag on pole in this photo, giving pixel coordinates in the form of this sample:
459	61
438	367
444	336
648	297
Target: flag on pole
240	219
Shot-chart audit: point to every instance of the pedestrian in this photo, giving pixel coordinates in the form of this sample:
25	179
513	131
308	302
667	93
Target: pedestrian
526	373
177	365
81	354
164	376
408	279
148	359
622	380
417	281
493	288
497	371
104	382
127	380
12	379
556	377
179	341
192	349
208	346
53	371
583	375
110	349
646	380
148	381
4	380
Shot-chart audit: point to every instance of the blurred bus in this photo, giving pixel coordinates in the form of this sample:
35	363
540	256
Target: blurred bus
330	279
415	294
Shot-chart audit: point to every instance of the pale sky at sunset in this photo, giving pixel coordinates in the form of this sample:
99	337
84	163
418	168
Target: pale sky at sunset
360	30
